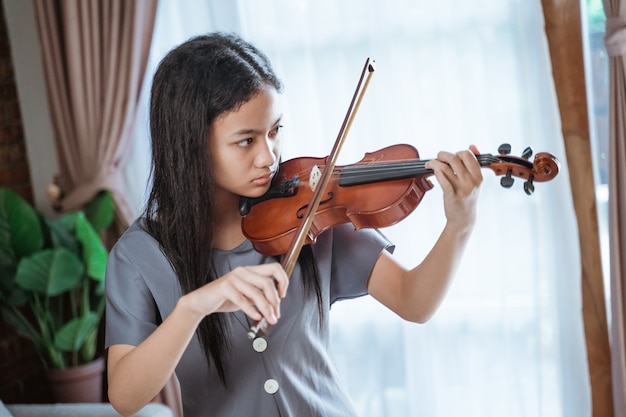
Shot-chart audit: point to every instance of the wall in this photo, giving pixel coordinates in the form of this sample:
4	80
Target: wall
25	51
21	373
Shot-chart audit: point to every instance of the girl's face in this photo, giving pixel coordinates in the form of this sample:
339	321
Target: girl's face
245	145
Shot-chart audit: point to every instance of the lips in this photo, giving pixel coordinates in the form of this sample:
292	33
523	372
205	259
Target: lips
265	179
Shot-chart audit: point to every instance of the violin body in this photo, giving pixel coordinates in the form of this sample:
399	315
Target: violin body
271	223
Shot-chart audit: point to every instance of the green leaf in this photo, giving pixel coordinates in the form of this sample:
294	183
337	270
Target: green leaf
7	277
50	272
63	232
10	316
100	289
20	228
74	333
94	253
100	210
15	297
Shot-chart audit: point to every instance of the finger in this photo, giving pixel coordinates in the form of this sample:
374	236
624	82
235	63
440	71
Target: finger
443	163
470	166
233	295
261	292
277	273
254	294
442	170
281	279
458	172
256	306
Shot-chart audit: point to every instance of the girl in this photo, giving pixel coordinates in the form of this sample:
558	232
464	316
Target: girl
184	285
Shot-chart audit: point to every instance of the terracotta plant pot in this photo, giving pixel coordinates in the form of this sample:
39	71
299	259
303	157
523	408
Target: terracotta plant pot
79	384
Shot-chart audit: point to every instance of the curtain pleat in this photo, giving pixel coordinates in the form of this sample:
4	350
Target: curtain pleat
95	54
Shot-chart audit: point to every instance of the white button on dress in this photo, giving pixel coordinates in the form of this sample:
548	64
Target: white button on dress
271	386
259	344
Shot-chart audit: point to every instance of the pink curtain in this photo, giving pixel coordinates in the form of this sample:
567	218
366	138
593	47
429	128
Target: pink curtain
95	54
615	42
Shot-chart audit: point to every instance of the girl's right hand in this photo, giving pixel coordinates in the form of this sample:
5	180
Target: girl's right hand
256	290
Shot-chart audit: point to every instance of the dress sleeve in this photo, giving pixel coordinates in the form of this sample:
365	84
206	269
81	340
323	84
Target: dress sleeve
354	253
131	311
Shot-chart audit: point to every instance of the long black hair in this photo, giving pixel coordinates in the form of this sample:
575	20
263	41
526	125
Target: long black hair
193	85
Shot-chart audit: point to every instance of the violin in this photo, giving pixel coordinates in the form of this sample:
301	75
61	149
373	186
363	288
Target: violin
311	195
378	191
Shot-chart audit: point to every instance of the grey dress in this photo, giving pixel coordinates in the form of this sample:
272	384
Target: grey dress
288	372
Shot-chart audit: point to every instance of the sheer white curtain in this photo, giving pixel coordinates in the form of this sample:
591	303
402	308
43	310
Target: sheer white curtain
508	339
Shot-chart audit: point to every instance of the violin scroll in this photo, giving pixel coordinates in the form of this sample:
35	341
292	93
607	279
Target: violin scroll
544	167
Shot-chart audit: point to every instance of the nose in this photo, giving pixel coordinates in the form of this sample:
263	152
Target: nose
268	154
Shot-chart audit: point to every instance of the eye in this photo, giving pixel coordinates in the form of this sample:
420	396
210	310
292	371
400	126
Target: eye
245	142
274	132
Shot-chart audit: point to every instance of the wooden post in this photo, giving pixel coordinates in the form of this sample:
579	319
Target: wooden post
564	34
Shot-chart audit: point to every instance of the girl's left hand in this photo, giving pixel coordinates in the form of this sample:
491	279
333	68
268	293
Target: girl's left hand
460	177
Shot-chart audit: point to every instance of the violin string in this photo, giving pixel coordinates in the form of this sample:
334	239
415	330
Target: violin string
389	167
401	167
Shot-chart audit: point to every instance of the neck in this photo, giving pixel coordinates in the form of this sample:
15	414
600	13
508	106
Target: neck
393	170
228	234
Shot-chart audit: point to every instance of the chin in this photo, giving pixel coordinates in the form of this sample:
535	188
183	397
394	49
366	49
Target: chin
255	193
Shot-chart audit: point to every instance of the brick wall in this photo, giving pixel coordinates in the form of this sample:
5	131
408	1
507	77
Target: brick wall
21	372
13	161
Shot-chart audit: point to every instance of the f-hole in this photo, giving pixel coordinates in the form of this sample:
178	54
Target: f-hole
302	210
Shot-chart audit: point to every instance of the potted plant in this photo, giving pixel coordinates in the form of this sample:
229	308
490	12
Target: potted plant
52	277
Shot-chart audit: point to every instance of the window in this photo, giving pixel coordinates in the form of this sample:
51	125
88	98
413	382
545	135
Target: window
508	338
597	71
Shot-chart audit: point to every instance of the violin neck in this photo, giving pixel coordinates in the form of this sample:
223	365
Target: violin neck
388	171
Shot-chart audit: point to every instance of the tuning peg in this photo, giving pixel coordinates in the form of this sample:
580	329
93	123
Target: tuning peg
504	149
507	181
528	152
529	187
